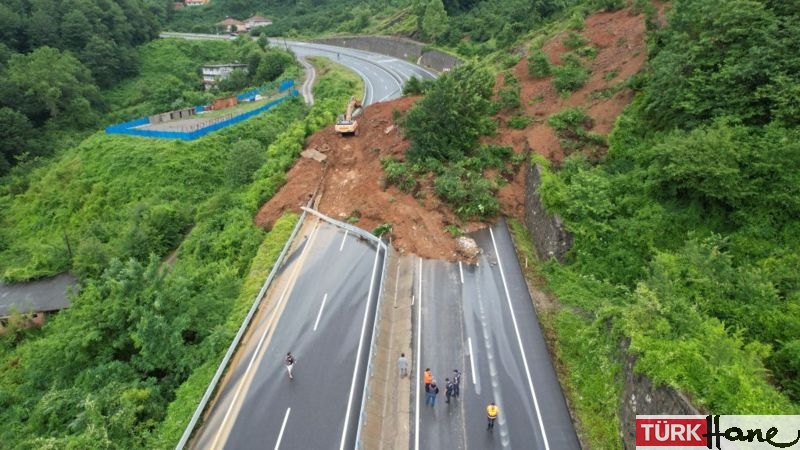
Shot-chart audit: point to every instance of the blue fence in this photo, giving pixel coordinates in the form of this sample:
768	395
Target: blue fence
129	127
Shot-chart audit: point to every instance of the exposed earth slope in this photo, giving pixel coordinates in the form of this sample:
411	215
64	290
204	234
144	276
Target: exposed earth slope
348	184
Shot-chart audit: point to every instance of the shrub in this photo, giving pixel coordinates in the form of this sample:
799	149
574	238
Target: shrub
399	174
539	65
519	121
570	77
510	92
574	40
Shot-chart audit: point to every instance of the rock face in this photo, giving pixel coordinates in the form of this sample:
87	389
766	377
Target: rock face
640	396
467	247
547	230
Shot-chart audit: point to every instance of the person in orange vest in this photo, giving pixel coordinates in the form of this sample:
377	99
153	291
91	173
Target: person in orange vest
491	412
428	377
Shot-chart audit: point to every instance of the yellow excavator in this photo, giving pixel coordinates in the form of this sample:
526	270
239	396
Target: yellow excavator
347	124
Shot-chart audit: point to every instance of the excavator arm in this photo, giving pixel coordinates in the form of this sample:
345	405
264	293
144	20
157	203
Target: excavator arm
347	123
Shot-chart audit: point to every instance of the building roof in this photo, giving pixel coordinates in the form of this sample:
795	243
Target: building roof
256	19
45	295
229	21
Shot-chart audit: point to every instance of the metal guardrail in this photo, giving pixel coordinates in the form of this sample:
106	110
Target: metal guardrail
235	343
256	303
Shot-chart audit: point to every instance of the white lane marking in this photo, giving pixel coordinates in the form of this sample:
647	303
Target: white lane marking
461	271
519	342
283	427
472	362
419	358
396	286
360	349
267	330
343	239
319	314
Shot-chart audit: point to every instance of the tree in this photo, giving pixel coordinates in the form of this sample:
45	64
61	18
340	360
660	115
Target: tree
733	60
434	23
453	115
245	158
16	132
47	84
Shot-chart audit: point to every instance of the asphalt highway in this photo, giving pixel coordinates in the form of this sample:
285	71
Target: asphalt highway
480	320
384	76
322	309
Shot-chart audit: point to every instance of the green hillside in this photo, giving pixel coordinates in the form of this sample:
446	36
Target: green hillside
686	231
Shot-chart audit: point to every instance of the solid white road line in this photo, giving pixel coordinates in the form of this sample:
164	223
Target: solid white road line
472	362
461	271
360	349
419	357
319	314
519	342
283	427
343	239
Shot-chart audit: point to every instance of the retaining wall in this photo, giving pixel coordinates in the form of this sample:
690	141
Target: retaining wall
550	238
399	48
639	394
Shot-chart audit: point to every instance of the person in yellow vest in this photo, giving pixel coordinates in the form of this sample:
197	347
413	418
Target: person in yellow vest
491	412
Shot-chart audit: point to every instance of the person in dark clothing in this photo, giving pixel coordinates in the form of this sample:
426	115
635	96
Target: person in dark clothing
289	361
431	391
448	389
456	382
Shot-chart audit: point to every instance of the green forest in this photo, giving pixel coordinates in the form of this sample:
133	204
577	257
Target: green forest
686	231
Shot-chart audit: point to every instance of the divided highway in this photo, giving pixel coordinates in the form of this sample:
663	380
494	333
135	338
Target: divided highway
322	308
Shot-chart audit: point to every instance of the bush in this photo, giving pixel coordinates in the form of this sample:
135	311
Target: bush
519	121
574	40
400	174
539	65
570	77
510	92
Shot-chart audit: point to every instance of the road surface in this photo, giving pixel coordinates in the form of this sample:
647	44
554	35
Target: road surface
322	309
480	319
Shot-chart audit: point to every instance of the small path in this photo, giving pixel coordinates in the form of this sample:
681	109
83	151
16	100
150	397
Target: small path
311	76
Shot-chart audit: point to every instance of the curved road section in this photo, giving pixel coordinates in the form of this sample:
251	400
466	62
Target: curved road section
384	76
321	308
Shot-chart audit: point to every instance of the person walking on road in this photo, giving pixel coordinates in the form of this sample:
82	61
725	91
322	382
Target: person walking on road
289	361
448	389
456	382
431	391
402	365
491	413
428	376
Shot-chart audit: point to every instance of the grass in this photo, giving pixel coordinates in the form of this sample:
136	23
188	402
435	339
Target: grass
585	353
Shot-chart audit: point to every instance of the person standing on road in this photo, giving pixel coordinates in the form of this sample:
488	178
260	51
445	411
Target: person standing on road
289	361
491	413
456	382
428	377
448	389
430	393
402	365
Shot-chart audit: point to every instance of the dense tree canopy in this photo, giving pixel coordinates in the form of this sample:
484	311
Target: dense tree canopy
692	217
447	123
738	59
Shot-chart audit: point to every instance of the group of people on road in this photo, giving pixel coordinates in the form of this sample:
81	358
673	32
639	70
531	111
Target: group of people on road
452	387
